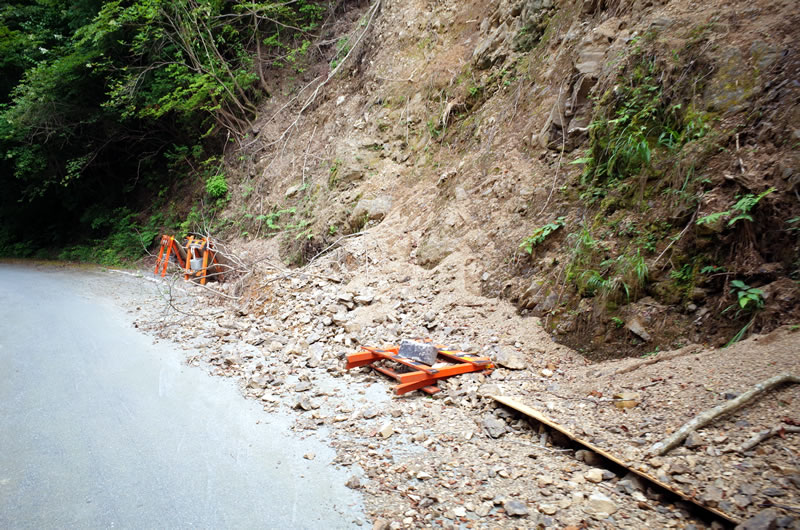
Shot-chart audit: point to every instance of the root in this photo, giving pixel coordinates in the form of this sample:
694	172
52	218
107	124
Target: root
686	350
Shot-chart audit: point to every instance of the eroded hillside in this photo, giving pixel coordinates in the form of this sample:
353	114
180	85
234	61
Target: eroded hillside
625	170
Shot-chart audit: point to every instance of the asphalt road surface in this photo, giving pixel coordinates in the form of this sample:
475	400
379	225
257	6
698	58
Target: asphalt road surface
102	428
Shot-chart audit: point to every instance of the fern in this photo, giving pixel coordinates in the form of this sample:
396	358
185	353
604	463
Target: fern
712	218
540	234
742	210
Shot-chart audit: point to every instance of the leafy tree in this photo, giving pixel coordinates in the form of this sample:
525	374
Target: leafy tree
98	98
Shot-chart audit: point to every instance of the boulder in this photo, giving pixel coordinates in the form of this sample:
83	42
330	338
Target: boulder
764	520
419	351
371	210
494	426
515	508
511	359
635	326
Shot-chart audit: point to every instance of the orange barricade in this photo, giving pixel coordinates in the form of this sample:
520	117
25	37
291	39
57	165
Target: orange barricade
417	375
198	258
169	246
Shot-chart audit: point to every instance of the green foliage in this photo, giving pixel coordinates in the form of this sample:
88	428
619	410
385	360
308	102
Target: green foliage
193	222
434	129
594	274
105	102
127	239
271	219
621	140
333	173
651	353
634	125
749	298
343	47
540	234
684	275
739	212
217	186
736	338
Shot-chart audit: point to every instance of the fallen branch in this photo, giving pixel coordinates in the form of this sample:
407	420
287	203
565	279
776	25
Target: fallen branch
704	418
326	249
372	11
691	222
764	435
686	350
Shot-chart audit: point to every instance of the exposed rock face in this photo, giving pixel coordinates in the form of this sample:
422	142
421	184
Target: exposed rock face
370	210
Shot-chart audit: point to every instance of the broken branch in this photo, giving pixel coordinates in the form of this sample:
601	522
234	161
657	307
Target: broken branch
686	350
704	418
764	435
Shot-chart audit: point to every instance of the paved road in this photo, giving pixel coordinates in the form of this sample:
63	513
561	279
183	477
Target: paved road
101	428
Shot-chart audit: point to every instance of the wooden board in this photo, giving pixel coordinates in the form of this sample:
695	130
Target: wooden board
538	416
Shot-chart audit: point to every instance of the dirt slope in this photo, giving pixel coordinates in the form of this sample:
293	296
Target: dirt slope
453	126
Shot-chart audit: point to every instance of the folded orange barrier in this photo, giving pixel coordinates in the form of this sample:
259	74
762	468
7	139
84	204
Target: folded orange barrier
415	375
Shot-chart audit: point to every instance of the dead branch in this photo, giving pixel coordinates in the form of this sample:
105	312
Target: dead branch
691	222
704	418
305	158
372	11
686	350
560	156
764	435
326	249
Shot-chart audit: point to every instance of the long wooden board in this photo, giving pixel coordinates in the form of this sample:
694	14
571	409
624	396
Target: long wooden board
538	416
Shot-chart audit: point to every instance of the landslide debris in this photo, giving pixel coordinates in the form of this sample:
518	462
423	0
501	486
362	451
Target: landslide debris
615	166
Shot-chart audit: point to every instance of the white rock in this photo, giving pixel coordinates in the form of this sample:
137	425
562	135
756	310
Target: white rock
387	430
594	475
600	504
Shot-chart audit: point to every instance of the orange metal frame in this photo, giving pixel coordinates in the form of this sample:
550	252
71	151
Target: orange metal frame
421	376
168	246
196	247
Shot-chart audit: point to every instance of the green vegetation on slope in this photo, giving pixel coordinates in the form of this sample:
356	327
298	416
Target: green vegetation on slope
106	106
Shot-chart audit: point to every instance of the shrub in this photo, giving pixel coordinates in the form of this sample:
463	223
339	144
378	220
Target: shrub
217	186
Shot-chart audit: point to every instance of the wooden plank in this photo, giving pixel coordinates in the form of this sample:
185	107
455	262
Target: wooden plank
538	416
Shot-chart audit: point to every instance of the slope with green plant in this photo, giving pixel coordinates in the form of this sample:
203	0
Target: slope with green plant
616	169
604	162
110	112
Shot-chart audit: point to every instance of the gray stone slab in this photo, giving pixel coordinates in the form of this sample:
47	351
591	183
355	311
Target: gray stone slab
419	351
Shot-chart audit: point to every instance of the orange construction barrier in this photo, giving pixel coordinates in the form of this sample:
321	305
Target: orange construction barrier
417	375
200	255
169	246
198	259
